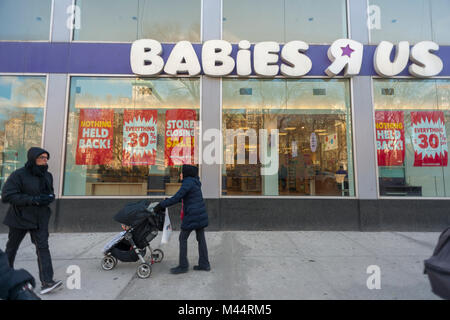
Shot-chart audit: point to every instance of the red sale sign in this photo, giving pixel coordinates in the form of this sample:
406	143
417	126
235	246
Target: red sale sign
180	137
95	137
390	134
139	137
429	139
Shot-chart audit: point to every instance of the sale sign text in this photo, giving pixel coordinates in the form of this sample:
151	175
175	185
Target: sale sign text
95	134
139	137
390	134
180	137
429	139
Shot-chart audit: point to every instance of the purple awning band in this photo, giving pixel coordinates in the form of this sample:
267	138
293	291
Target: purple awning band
114	58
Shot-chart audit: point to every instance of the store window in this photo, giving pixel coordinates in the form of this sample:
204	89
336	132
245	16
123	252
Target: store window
22	101
129	20
314	155
26	20
409	20
284	21
130	136
412	124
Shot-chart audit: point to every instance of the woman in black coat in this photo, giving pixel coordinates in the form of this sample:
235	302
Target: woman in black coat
195	218
29	191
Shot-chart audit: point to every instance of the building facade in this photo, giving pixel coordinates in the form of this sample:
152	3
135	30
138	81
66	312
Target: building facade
357	146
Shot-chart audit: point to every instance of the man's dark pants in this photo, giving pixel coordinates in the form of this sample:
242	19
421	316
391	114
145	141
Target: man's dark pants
202	248
39	237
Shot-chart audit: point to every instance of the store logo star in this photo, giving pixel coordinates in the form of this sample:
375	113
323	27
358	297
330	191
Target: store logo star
347	51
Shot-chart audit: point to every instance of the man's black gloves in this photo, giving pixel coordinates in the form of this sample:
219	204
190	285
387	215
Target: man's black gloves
43	199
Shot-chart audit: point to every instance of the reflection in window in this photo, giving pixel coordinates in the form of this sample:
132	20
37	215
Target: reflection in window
118	20
117	138
284	21
412	126
22	102
410	20
25	19
315	149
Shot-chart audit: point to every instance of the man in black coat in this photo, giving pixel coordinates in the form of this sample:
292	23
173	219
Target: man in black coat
195	218
29	191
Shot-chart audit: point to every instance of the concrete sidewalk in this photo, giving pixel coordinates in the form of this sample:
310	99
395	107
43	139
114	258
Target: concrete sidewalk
249	265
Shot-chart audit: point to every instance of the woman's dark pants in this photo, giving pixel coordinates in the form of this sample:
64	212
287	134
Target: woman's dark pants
202	248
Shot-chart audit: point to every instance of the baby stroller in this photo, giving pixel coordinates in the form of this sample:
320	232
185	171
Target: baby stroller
141	224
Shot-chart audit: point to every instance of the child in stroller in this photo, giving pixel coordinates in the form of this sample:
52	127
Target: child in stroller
141	224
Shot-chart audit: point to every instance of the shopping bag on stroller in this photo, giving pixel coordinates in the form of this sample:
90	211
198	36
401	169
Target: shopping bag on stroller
167	229
438	266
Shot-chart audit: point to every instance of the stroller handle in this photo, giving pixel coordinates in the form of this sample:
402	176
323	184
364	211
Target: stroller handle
152	206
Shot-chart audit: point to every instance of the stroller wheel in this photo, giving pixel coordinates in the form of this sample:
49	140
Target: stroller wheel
157	255
144	270
109	262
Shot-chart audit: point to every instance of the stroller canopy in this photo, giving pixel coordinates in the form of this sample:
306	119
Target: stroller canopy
133	213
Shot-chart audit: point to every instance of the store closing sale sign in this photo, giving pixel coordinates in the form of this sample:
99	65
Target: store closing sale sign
390	133
180	137
139	137
429	139
95	137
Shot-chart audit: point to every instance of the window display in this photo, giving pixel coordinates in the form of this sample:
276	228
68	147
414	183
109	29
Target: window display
130	136
411	120
315	141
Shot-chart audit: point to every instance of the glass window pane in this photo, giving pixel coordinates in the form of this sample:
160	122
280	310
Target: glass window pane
25	19
440	12
118	139
412	131
315	145
118	20
22	101
284	21
307	20
410	20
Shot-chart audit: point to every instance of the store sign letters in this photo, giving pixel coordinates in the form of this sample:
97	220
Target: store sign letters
269	59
